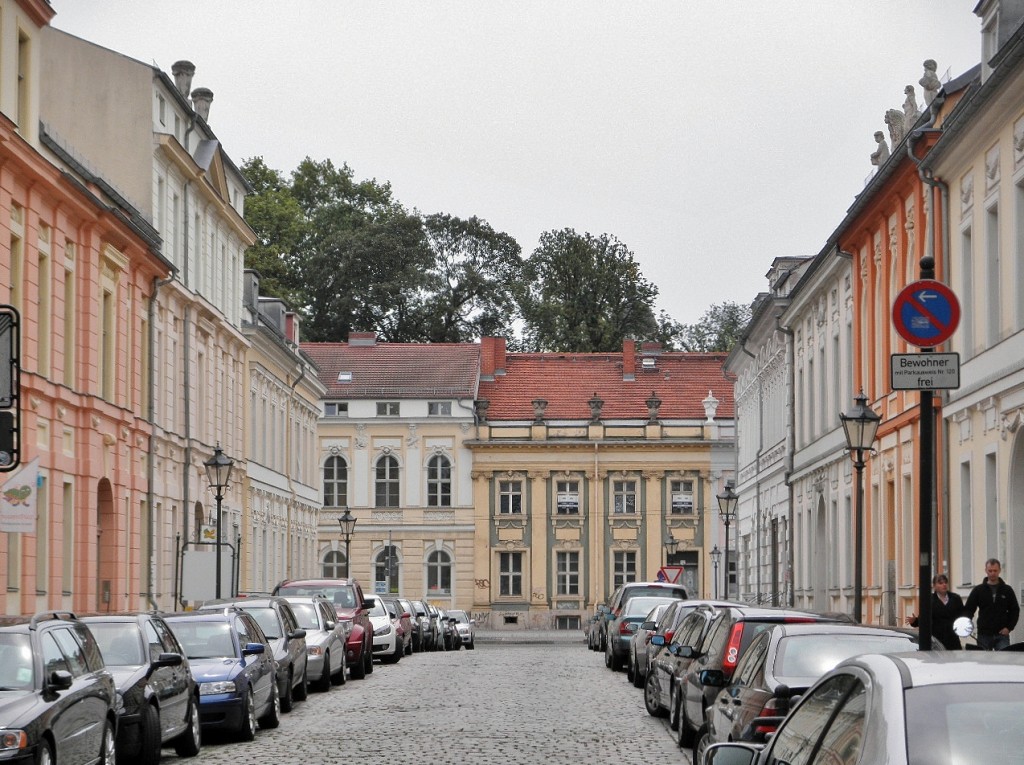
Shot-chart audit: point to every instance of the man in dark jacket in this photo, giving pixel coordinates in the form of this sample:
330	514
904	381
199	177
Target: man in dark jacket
997	607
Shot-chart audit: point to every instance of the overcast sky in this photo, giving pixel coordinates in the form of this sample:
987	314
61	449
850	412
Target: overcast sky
710	136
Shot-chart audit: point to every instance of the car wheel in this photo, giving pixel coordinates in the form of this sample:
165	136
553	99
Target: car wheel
630	669
302	689
638	679
149	735
108	752
651	697
342	677
272	717
190	741
44	753
324	683
673	711
703	742
359	668
684	734
470	646
287	702
247	729
368	658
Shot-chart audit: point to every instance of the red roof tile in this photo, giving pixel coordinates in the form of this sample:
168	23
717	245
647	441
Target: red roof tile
397	370
567	381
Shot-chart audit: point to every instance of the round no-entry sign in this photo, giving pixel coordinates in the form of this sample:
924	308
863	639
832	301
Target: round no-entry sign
926	313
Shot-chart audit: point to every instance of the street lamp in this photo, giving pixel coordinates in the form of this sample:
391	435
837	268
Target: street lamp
218	472
860	425
716	556
727	501
671	545
348	524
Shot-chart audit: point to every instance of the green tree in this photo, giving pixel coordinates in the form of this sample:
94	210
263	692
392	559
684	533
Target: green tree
718	329
584	293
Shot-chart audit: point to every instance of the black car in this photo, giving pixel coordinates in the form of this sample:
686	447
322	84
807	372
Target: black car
780	664
233	664
277	620
58	702
159	698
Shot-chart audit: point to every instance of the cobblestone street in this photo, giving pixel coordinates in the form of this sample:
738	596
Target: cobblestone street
546	700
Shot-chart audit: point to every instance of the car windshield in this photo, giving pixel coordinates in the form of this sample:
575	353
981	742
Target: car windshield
15	662
640	607
266	617
965	722
661	592
306	614
204	639
378	609
802	659
342	595
119	643
460	615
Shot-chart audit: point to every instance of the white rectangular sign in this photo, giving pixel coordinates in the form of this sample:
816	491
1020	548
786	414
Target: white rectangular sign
925	371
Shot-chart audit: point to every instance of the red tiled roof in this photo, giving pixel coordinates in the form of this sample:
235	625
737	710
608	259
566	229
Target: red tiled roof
397	370
567	381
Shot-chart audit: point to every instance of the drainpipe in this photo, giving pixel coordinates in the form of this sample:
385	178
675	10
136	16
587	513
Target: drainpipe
790	448
186	352
287	468
151	416
757	488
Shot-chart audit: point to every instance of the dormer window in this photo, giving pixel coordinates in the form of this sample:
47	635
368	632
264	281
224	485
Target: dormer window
336	409
387	409
344	377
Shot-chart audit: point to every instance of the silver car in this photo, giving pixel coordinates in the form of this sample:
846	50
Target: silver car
464	628
325	640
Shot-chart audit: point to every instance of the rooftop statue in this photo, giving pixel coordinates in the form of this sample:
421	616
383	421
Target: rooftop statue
929	82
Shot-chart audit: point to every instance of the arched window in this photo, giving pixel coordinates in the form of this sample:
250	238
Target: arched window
439	573
335	482
385	570
386	484
439	482
334	565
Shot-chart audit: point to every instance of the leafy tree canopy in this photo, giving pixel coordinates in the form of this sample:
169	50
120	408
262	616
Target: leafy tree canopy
718	329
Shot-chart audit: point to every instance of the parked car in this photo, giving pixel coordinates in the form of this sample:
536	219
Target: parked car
464	627
449	635
58	702
405	626
938	707
592	630
288	641
436	639
325	640
641	638
352	607
643	654
421	634
780	663
387	644
159	697
727	638
629	590
233	664
624	622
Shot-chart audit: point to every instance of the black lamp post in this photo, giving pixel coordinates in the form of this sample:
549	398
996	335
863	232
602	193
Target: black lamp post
860	425
716	556
218	473
727	501
348	524
671	545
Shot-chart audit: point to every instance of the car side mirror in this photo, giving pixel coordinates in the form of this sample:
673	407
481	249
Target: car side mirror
369	603
731	754
60	680
250	649
712	678
649	625
687	652
330	625
657	640
169	660
472	621
299	633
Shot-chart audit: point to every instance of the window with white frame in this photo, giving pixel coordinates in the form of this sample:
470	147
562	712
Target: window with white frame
334	565
681	497
623	497
386	482
623	567
439	573
567	497
567	572
335	409
439	481
385	571
510	497
335	482
388	409
439	408
510	573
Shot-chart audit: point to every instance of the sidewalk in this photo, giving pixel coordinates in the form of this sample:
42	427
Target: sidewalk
531	636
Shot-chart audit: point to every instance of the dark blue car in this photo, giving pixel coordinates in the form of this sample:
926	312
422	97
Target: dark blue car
233	665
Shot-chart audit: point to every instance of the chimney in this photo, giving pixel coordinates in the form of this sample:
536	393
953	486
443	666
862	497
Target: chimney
628	360
364	339
487	358
251	288
201	100
499	355
291	326
183	71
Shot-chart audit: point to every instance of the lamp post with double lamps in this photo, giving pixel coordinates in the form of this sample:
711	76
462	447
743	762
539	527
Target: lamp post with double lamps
727	501
347	522
218	473
860	425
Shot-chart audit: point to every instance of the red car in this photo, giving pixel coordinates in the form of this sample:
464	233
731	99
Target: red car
353	609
